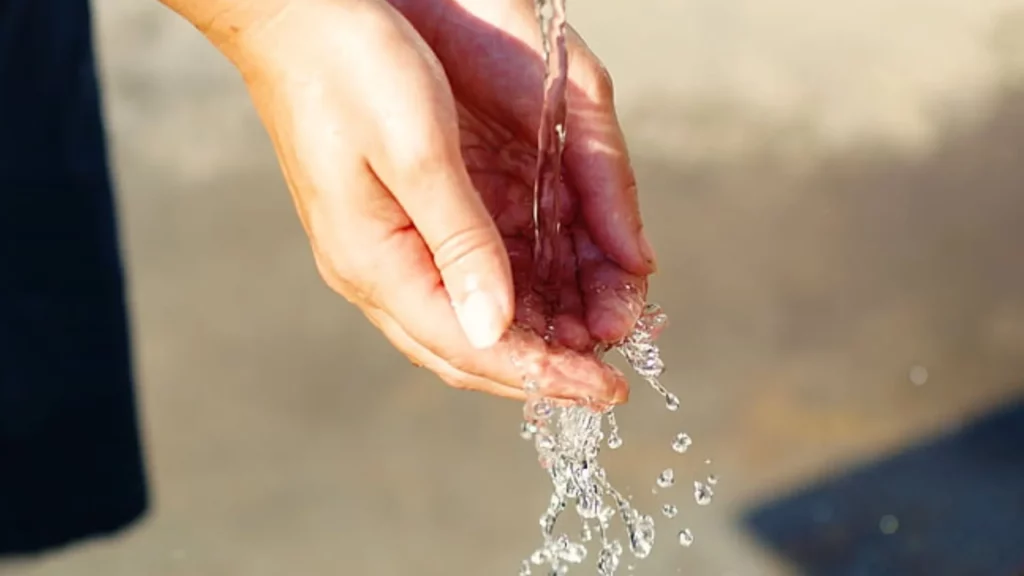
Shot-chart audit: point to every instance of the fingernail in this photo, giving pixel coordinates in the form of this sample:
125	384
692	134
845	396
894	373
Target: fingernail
646	250
481	319
621	395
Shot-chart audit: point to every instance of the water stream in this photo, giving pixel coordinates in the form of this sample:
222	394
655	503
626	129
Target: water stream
569	438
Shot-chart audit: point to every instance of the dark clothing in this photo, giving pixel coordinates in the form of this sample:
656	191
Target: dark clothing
70	459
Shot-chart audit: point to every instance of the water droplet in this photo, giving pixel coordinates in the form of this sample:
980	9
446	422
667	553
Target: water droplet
708	461
545	442
607	562
685	537
712	480
586	534
918	375
666	478
542	409
527	430
682	443
671	402
702	493
524	569
650	365
614	441
573	553
669	511
641	537
549	332
889	524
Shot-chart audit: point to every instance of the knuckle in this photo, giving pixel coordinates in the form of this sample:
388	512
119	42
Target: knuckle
456	382
461	363
329	274
419	153
597	81
462	244
340	279
364	294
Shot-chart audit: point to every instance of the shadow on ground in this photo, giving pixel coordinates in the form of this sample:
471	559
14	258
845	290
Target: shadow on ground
952	506
815	281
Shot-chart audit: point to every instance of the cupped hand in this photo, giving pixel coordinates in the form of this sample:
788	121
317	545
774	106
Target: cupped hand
407	135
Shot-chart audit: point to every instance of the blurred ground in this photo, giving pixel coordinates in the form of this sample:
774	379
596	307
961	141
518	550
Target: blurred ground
835	189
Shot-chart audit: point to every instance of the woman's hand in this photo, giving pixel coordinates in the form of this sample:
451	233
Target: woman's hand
407	133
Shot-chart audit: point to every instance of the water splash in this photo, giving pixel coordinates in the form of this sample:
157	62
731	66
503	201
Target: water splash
568	440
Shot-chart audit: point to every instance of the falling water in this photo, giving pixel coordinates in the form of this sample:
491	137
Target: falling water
550	143
568	439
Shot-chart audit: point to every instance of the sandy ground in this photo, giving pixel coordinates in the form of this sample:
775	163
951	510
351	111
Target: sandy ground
835	190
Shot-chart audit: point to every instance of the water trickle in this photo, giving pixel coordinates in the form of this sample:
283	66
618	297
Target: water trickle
550	142
614	439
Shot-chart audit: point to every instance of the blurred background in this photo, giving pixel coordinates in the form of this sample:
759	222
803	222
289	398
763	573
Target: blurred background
837	194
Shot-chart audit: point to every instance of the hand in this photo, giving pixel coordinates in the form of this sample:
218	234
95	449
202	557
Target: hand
407	134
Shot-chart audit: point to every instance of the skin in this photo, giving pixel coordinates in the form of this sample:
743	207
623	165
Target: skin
406	131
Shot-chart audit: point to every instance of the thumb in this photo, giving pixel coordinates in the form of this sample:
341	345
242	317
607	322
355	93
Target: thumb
468	252
418	159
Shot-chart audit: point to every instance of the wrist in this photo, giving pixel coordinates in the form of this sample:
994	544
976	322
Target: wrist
244	31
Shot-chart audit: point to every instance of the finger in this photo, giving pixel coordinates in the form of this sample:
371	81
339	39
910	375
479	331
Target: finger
562	375
421	356
416	156
598	165
614	298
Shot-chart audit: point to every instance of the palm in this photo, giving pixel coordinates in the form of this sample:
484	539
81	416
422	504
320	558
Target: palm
595	301
585	310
